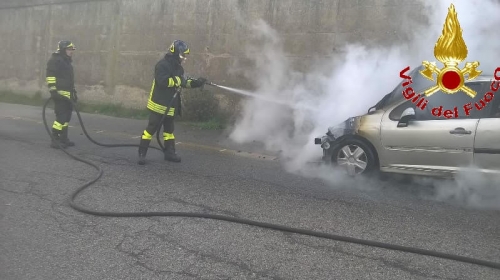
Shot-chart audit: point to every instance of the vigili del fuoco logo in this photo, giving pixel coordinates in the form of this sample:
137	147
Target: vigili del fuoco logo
450	50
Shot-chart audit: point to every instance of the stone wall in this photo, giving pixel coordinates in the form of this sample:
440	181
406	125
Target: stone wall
119	41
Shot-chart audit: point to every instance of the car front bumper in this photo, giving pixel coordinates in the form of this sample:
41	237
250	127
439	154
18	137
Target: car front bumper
325	143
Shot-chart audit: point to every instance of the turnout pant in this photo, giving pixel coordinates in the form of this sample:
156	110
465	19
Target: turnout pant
168	135
154	122
63	110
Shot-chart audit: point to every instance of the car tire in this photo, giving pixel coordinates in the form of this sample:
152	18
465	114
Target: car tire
352	154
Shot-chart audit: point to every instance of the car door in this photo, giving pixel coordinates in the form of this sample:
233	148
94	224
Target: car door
487	143
430	143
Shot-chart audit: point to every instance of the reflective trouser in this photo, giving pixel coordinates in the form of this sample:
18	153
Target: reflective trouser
154	122
63	110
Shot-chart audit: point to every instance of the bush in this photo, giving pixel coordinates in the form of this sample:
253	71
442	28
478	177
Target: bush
199	105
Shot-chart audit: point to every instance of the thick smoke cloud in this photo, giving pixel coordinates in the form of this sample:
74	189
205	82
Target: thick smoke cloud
338	87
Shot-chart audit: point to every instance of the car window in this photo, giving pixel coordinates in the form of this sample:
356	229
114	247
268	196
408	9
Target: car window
495	111
495	108
419	83
456	102
395	114
449	102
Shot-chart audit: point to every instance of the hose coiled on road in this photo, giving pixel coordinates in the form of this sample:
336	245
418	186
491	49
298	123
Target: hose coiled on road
233	219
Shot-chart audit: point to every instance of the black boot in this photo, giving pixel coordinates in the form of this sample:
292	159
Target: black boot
56	141
64	137
143	150
169	152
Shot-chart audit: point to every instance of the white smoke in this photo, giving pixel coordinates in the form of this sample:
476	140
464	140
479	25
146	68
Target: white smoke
470	188
351	82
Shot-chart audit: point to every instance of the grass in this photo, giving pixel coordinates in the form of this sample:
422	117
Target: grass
113	110
102	109
10	97
212	124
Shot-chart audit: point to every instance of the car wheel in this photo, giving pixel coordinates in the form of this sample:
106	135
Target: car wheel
354	156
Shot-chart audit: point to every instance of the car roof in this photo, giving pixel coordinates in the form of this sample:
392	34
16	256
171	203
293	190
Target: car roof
482	78
421	84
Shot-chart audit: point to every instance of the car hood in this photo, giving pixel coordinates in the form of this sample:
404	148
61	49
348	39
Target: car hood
349	126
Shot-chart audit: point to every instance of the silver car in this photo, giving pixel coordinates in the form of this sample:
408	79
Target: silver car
398	136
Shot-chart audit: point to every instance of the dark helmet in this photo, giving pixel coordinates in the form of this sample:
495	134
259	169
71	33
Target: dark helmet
179	48
62	45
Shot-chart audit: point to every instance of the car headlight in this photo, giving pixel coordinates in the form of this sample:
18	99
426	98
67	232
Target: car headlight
325	145
334	131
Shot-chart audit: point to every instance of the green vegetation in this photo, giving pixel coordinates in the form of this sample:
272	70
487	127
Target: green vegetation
200	108
113	110
212	124
10	97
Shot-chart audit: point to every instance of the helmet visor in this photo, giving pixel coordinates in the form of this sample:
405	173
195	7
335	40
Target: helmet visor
71	47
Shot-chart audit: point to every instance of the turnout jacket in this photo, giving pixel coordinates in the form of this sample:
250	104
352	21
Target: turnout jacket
60	76
168	77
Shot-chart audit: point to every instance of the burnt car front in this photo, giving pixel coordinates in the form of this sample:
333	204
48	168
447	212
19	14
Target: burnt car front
334	134
343	142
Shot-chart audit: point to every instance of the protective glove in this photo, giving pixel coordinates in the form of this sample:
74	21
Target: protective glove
54	94
74	96
202	80
195	83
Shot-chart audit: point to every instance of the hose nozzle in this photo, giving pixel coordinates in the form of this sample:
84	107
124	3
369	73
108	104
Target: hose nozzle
212	84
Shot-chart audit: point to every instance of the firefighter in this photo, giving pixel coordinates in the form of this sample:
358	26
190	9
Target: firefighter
168	78
60	81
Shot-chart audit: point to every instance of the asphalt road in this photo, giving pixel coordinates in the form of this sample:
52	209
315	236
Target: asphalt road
41	237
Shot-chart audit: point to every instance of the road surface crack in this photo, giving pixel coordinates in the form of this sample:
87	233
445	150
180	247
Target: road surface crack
214	258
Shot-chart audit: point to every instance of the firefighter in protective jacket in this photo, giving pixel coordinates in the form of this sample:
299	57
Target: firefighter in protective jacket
168	78
61	84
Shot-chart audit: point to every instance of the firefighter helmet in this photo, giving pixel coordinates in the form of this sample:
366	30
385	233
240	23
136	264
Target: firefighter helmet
179	48
65	44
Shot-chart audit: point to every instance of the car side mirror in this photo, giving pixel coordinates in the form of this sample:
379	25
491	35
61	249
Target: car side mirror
371	110
406	117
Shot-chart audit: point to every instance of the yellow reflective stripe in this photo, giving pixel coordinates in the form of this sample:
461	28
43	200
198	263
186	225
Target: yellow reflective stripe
159	108
57	126
51	81
188	83
168	136
175	81
146	135
152	89
153	106
64	93
171	112
65	124
156	107
52	88
171	82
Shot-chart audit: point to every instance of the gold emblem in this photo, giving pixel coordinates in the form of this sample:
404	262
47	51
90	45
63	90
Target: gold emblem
450	49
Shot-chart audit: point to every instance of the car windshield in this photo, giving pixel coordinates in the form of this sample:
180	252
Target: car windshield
419	83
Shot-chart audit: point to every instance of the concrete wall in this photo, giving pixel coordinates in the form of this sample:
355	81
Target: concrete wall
119	41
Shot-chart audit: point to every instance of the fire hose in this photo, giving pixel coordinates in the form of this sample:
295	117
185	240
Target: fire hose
283	228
